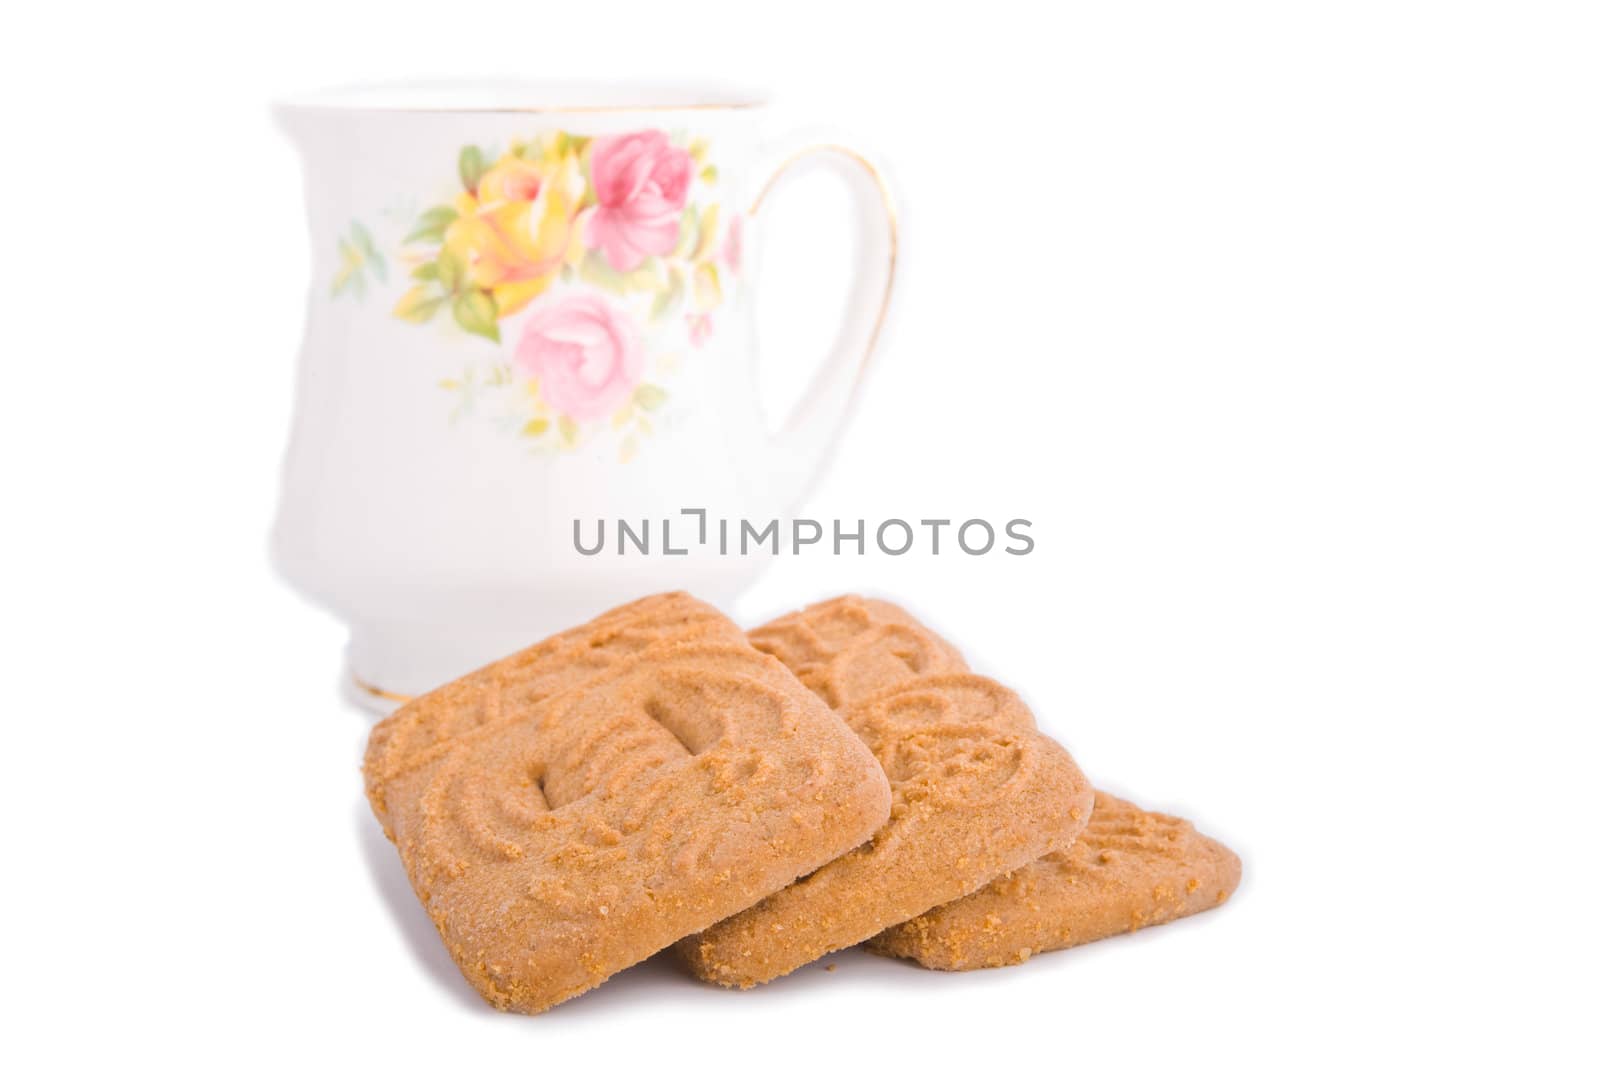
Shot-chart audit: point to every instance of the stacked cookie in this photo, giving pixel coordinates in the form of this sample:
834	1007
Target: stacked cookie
840	776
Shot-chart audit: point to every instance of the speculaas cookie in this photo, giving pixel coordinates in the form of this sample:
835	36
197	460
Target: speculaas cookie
1130	868
576	807
978	791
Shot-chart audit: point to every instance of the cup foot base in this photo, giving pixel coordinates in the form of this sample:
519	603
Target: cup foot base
358	692
386	666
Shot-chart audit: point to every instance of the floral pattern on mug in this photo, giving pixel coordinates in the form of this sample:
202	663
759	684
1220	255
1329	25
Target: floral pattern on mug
583	351
642	184
588	266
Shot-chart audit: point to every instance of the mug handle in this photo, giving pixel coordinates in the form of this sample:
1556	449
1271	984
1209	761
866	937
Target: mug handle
806	440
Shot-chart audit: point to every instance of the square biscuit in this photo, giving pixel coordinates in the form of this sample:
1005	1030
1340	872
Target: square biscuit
978	790
1129	869
576	807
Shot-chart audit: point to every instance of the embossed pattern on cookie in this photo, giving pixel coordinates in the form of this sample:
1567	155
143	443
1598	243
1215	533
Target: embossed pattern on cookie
977	790
1131	868
576	807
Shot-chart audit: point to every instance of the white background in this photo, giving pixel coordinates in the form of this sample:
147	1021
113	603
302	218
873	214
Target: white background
1280	321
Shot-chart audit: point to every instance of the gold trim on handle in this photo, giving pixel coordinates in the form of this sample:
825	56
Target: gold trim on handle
889	214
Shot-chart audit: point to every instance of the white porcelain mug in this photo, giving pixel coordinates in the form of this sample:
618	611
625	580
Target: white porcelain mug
529	308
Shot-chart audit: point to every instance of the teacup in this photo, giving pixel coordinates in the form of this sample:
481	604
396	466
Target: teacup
530	308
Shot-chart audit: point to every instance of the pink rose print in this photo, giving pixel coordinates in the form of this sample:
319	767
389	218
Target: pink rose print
733	244
583	352
641	183
699	329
